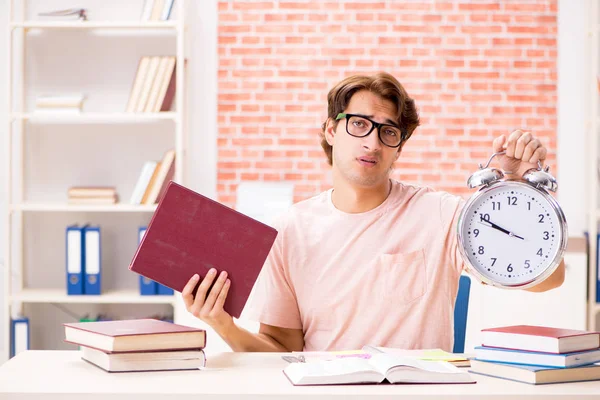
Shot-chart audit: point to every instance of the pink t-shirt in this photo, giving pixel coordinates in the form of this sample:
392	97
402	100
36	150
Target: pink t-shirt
386	277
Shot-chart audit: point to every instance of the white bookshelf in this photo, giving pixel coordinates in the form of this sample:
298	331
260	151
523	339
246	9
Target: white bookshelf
94	117
108	297
593	184
63	207
22	24
172	25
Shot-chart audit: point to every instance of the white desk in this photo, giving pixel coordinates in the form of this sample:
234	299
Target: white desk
63	375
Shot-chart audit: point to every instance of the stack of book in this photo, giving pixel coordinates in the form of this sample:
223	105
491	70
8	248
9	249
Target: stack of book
153	88
138	345
69	104
538	354
153	179
92	195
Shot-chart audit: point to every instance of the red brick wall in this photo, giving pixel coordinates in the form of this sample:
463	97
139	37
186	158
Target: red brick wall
476	70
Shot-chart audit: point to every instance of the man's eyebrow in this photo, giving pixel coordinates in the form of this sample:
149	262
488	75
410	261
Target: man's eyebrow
387	120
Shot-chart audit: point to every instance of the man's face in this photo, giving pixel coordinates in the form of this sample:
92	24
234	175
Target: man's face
363	161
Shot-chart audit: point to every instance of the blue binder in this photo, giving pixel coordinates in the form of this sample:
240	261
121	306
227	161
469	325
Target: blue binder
148	287
93	260
75	259
19	335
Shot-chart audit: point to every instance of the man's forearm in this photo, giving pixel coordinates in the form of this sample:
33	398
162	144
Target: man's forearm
239	339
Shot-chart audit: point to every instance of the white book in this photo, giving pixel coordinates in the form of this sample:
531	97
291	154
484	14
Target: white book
166	11
565	360
142	182
374	369
147	83
147	10
144	361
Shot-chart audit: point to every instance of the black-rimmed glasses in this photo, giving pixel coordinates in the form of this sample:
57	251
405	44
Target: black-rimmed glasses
361	126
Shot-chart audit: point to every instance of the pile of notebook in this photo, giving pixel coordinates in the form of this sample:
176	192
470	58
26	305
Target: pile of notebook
92	195
138	345
538	355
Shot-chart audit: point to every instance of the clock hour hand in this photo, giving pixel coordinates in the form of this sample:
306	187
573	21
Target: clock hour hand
489	223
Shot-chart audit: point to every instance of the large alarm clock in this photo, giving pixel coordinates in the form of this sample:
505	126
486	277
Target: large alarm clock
512	233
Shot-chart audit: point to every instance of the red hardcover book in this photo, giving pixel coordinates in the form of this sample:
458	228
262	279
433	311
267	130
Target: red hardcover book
134	335
190	234
540	338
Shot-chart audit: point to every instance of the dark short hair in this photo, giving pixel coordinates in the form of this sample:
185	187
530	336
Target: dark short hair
383	85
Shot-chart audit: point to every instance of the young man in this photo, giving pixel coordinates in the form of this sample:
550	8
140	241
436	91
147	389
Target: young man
370	261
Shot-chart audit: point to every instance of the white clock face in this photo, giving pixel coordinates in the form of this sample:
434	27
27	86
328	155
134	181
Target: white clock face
511	234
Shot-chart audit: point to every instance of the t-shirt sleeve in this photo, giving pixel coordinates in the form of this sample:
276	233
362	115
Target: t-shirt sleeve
450	209
273	299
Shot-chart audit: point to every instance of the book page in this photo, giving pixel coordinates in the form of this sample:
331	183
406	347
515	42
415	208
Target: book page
343	370
421	354
386	362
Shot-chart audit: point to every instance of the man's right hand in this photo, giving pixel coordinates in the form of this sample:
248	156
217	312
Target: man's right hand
208	306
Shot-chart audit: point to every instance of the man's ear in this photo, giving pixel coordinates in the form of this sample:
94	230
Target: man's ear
330	131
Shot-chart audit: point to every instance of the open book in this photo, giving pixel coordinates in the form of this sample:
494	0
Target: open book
375	369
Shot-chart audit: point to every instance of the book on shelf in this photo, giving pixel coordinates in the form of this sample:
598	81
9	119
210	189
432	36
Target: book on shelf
134	335
80	13
190	234
59	104
157	10
535	374
565	360
375	369
91	191
142	183
162	174
145	360
540	338
92	195
154	85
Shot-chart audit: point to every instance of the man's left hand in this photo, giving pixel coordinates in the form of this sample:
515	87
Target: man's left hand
523	151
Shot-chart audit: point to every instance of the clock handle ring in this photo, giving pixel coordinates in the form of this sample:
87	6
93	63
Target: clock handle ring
539	163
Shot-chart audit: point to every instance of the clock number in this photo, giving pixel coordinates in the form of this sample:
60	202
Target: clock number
493	261
476	232
546	235
527	264
509	268
528	205
539	253
541	221
485	217
512	200
495	205
480	250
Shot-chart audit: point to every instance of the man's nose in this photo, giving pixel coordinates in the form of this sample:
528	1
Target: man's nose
371	141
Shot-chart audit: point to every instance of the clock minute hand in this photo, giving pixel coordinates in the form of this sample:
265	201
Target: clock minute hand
493	225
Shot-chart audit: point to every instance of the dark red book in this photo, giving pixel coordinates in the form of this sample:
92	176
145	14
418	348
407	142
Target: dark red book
134	335
540	338
190	234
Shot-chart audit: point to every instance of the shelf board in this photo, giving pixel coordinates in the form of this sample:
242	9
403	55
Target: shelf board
65	207
93	117
95	25
110	297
